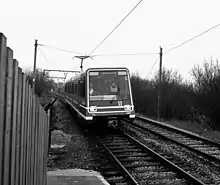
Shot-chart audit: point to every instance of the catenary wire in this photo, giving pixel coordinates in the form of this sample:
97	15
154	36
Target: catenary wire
42	53
153	65
115	27
122	54
181	44
59	49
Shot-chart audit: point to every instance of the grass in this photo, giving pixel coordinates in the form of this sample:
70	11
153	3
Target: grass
194	127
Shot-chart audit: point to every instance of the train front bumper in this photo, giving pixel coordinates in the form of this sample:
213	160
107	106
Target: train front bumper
114	111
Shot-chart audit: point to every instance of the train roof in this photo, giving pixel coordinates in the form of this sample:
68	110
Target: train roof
99	69
104	68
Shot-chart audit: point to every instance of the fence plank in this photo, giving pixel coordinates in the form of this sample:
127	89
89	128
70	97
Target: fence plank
36	180
7	116
33	140
30	133
44	142
13	117
28	136
19	127
26	132
22	129
40	146
46	133
2	98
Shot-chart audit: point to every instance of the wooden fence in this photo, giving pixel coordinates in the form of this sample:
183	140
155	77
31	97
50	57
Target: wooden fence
23	126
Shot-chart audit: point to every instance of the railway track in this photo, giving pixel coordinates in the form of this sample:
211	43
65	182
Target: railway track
110	171
133	162
199	145
142	165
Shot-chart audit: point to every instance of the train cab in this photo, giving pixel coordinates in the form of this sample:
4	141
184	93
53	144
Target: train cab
107	95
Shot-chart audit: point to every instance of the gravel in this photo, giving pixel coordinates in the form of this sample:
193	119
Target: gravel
81	148
199	167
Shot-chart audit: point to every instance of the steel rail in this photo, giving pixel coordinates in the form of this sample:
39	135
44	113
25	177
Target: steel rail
181	131
208	156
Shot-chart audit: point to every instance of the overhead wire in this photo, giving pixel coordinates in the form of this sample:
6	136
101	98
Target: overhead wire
59	49
122	54
153	65
115	27
181	44
42	53
98	55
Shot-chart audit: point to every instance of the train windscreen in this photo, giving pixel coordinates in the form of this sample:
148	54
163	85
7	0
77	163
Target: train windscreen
108	85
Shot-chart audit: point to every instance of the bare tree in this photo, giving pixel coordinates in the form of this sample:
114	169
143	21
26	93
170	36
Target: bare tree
207	95
42	81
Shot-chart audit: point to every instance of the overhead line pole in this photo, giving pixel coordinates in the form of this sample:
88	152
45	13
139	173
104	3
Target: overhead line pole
35	61
159	85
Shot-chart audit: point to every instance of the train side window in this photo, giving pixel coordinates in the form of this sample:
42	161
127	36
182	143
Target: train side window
83	87
80	88
76	87
72	88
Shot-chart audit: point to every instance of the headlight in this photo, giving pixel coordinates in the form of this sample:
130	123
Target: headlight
127	107
93	109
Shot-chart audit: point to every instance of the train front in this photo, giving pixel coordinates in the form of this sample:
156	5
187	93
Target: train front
109	94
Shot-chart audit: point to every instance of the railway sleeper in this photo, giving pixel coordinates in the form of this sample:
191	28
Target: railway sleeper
120	147
141	164
126	150
136	158
145	169
110	144
112	173
131	155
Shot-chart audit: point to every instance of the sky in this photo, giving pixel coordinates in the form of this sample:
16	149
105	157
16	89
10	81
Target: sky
80	25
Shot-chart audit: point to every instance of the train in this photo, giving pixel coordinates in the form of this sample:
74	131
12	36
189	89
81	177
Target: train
101	95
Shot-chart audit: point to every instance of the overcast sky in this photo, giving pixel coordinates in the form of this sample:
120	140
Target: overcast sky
80	25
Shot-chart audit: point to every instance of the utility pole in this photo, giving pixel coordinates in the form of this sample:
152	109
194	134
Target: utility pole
82	58
35	60
159	85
